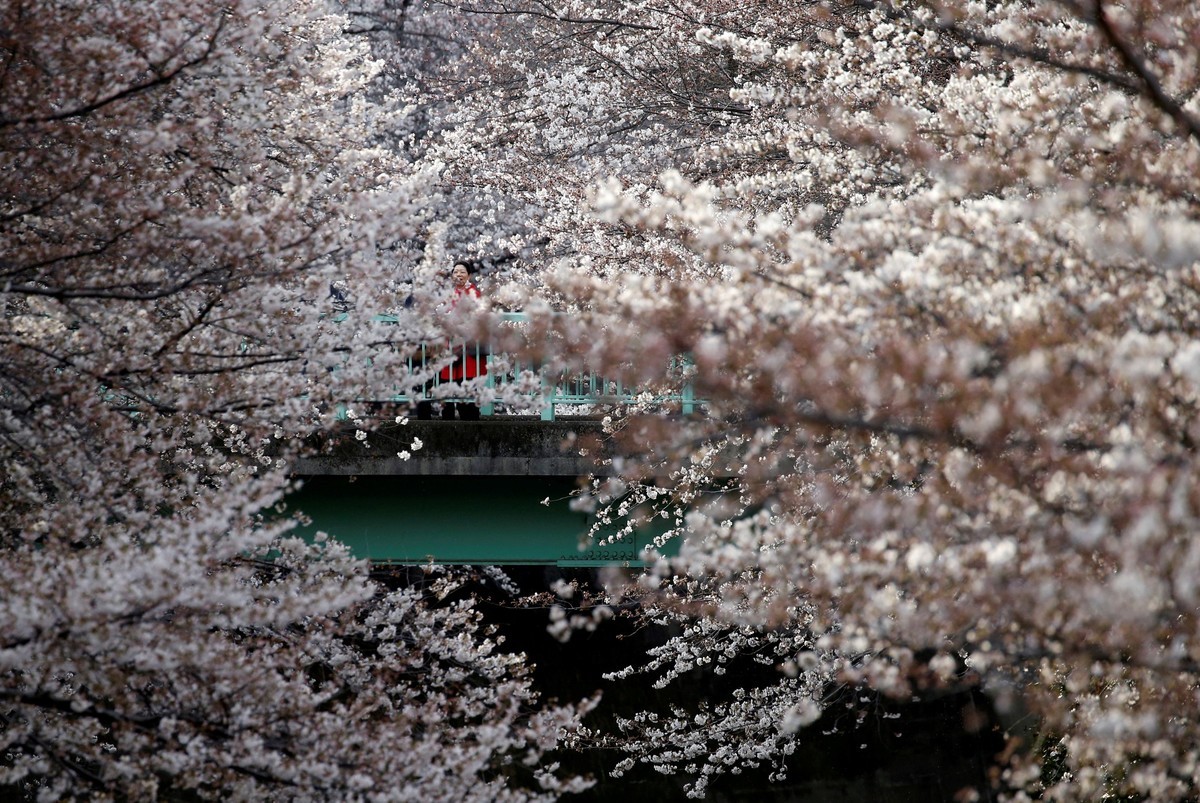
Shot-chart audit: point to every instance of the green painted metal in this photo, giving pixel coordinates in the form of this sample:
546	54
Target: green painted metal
458	520
582	389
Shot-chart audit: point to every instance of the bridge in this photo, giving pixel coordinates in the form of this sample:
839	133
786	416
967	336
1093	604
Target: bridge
496	491
538	389
491	492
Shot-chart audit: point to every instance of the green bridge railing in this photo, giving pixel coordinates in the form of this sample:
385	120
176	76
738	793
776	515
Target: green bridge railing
554	390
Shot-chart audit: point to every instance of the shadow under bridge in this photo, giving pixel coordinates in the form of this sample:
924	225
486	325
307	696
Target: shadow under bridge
491	492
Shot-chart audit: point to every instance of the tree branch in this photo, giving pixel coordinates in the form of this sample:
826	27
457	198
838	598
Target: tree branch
1146	85
160	79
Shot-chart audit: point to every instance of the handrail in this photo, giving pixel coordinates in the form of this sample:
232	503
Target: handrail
584	389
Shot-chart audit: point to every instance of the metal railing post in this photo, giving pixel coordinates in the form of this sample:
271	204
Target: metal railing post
547	398
489	383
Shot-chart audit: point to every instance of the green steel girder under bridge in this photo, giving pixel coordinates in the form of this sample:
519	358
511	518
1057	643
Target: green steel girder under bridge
489	492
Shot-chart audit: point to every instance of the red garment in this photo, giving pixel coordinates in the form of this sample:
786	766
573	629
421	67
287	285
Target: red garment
470	359
469	287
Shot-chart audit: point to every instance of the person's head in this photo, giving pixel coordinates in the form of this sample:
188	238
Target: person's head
460	275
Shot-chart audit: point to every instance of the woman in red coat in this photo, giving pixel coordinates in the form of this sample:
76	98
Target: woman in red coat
470	359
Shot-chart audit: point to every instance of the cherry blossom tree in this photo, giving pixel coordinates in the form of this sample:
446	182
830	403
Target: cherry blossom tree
180	187
935	265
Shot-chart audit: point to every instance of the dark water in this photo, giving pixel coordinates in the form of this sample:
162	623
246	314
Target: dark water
936	749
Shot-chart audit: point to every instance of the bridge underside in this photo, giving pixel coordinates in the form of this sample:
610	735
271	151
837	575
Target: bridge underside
484	493
458	520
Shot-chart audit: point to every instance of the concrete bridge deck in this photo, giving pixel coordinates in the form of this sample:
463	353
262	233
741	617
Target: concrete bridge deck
509	447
